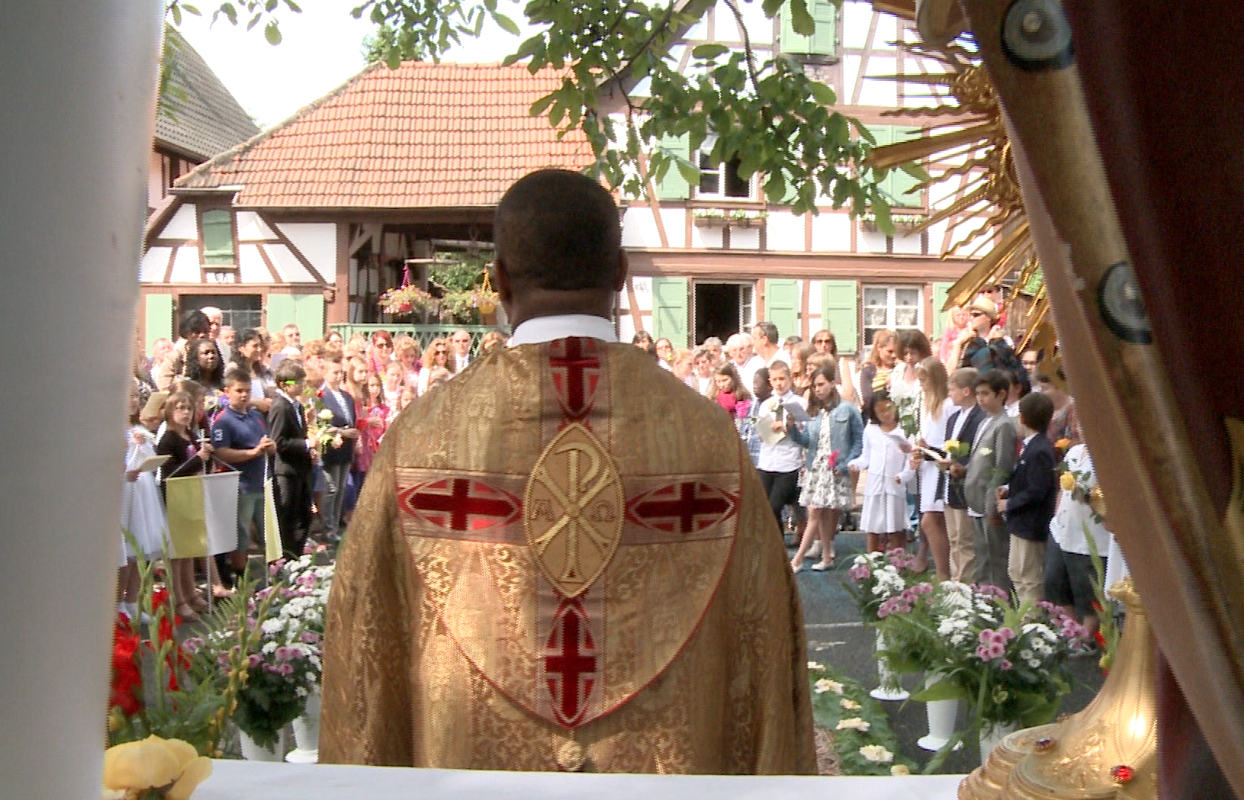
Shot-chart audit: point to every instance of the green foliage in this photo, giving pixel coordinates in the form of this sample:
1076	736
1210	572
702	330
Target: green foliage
769	114
459	272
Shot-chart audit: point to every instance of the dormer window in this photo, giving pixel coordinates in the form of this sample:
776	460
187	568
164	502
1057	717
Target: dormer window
218	237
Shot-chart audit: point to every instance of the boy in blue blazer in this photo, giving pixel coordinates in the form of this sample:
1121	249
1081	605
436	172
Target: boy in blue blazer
1028	500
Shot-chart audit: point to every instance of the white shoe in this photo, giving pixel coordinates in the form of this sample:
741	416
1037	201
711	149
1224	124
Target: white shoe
815	550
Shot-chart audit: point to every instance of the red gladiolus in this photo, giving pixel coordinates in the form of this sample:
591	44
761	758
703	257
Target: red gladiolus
127	678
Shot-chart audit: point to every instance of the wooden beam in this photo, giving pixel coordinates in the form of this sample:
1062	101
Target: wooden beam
366	234
306	262
752	265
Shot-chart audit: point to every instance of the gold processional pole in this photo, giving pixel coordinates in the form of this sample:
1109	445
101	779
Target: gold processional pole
1183	552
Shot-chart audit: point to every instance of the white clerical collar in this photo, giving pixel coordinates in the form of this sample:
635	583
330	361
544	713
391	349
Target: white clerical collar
559	326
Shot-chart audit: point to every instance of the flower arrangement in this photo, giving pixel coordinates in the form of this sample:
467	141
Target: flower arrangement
319	430
156	688
908	408
956	449
282	632
1075	475
863	739
878	577
737	215
406	299
1008	662
465	304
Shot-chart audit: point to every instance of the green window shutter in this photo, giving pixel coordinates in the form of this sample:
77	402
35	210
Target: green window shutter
218	237
897	183
824	42
840	313
782	306
309	315
158	317
674	186
279	311
940	290
669	310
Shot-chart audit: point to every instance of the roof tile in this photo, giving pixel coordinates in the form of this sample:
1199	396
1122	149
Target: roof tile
423	135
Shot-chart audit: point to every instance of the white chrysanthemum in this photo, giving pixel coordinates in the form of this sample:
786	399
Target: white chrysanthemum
876	754
268	648
816	665
853	723
848	704
826	685
271	627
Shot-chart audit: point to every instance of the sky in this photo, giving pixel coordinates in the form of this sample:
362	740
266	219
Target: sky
321	49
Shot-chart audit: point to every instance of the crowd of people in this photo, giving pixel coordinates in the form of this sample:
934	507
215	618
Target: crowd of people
310	416
967	448
958	451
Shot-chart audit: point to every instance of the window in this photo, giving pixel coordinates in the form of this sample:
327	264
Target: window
893	307
722	180
217	227
722	309
239	311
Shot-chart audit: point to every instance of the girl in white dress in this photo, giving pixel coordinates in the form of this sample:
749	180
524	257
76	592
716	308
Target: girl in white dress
884	517
142	512
936	406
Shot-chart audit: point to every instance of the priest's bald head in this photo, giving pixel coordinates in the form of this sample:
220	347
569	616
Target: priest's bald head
559	247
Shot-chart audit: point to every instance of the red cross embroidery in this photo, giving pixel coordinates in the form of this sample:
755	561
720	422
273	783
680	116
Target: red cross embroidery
685	507
570	662
575	368
460	504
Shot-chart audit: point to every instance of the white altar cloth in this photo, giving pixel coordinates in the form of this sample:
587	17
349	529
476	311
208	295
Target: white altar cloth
252	780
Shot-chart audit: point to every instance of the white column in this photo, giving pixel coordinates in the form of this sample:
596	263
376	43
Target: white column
78	86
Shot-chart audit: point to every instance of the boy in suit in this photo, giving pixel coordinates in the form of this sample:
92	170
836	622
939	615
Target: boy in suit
337	458
990	465
1028	500
961	426
294	458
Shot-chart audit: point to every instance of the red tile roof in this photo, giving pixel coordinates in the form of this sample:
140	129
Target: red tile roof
421	136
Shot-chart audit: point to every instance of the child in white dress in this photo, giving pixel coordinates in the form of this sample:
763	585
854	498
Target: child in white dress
142	512
884	517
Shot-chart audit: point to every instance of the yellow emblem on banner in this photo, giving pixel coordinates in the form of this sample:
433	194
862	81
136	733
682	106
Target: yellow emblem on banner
572	510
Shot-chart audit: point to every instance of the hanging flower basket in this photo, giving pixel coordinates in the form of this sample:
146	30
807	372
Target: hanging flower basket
406	299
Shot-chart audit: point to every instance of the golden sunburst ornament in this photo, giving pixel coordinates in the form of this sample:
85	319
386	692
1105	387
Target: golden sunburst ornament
966	141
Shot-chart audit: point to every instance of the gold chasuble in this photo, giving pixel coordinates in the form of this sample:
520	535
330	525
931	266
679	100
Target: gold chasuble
563	560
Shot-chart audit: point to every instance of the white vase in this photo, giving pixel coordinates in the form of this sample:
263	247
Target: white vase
253	751
941	720
307	732
888	688
991	737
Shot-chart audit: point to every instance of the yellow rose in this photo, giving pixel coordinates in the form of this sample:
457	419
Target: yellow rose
900	769
156	763
140	765
1063	444
952	445
1067	481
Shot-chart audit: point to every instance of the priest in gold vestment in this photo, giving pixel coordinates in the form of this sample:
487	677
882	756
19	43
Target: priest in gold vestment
563	558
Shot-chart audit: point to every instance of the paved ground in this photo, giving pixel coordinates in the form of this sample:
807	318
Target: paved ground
836	636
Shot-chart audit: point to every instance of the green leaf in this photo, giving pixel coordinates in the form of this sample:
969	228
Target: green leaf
292	6
914	170
272	32
882	211
823	94
506	24
539	107
709	51
690	173
189	9
942	690
800	19
770	7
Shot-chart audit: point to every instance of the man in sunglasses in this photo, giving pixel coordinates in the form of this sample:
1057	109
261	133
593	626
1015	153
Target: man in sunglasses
563	559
